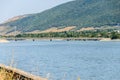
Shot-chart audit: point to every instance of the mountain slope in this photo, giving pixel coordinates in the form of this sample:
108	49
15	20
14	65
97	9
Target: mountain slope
79	13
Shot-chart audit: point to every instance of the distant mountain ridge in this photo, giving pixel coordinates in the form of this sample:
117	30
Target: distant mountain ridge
79	13
15	18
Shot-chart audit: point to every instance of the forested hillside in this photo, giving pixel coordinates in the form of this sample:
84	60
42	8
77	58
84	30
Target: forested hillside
79	13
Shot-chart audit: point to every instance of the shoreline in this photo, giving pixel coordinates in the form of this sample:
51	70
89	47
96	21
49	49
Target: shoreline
6	40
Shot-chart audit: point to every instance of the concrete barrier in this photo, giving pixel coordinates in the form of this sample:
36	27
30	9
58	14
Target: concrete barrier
19	74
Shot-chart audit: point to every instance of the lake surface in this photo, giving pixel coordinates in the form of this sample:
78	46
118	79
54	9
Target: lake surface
65	60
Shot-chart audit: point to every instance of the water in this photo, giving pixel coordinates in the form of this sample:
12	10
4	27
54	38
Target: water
65	60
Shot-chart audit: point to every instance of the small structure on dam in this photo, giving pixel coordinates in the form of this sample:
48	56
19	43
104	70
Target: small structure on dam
17	74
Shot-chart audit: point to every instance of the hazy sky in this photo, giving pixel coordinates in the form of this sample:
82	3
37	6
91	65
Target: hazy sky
11	8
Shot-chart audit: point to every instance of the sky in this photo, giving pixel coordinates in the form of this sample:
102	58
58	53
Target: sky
11	8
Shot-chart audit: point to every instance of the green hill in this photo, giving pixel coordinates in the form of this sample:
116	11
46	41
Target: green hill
80	13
